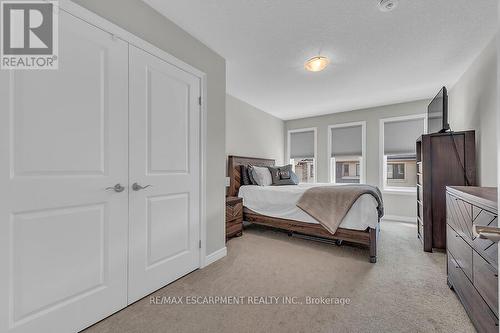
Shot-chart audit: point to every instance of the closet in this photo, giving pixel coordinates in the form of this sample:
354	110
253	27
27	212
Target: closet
99	181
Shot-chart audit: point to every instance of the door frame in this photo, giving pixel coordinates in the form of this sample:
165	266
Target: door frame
117	32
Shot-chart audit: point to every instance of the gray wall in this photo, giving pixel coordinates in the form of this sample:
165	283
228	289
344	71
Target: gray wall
144	22
473	105
253	132
395	204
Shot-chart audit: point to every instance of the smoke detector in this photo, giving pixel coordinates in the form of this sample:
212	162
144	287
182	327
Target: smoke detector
387	5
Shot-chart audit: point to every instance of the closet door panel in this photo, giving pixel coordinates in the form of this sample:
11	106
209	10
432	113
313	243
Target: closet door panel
168	121
64	140
164	153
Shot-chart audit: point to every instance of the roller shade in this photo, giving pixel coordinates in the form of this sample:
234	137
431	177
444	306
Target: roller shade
302	144
346	141
400	136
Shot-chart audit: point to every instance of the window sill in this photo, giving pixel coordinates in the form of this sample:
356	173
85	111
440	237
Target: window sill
400	191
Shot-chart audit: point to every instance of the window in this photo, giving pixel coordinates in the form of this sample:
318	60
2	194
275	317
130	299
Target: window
395	171
346	146
399	159
302	153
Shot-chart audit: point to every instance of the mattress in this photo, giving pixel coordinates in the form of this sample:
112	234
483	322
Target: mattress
280	202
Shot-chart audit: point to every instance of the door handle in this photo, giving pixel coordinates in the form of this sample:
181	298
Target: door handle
117	188
137	187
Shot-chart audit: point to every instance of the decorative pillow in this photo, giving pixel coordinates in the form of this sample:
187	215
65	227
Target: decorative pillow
245	179
250	176
262	176
283	175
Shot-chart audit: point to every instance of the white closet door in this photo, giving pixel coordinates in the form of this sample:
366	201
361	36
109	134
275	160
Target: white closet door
164	153
63	140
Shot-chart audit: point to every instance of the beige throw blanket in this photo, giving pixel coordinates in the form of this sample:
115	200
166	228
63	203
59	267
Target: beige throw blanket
330	204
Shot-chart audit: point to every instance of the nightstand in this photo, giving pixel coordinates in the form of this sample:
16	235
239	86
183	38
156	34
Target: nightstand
234	217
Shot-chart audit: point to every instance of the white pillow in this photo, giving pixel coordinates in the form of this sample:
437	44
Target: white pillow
262	176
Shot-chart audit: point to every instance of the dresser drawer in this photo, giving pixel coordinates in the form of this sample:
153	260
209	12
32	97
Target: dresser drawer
485	247
460	250
234	227
479	312
420	211
486	281
234	211
420	227
420	193
459	216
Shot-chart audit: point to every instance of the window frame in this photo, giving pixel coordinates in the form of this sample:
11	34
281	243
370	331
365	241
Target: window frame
315	158
383	160
344	173
362	161
404	171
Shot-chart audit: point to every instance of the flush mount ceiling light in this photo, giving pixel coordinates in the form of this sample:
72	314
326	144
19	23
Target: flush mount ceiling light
316	64
387	5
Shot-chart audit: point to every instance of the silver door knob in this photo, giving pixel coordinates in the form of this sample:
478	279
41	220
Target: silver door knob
117	188
137	187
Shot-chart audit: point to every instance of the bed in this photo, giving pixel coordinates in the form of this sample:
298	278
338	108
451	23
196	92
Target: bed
360	226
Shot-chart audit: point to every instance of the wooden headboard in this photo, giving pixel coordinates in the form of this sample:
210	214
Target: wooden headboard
233	170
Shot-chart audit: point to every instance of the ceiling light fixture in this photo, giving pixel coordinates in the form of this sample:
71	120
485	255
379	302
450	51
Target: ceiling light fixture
387	5
316	64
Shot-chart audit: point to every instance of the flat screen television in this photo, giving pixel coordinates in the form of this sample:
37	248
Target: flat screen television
437	113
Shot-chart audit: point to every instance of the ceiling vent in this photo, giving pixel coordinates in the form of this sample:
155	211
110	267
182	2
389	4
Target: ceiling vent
387	5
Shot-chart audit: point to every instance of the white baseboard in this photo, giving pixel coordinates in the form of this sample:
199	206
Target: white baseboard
214	256
405	219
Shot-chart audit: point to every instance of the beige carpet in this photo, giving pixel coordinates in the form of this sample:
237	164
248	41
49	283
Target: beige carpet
405	291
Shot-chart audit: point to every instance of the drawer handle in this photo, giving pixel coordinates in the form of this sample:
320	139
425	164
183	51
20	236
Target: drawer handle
491	233
496	274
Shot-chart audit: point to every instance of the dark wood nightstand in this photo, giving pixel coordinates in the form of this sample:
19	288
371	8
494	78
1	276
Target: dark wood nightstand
234	217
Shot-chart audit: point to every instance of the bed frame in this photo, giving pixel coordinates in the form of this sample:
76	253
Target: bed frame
367	237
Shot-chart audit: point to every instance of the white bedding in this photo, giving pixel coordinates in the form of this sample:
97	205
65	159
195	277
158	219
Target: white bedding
280	201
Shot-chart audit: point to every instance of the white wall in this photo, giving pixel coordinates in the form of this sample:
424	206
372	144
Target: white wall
395	204
143	21
252	132
473	105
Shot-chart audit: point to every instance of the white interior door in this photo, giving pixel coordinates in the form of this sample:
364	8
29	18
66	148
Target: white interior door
63	140
165	154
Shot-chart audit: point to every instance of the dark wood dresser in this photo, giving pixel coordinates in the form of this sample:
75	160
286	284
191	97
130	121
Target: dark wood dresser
472	261
439	165
234	217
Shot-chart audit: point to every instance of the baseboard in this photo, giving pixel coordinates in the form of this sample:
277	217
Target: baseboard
214	256
405	219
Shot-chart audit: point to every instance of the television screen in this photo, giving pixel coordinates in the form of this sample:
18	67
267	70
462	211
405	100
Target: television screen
437	113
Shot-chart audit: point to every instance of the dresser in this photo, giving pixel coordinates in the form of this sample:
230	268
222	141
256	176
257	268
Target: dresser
472	261
443	159
234	217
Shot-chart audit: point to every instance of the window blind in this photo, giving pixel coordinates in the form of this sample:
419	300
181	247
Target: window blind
400	136
346	141
302	144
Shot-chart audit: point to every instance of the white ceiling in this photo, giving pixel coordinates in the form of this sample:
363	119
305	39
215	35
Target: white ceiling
377	58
